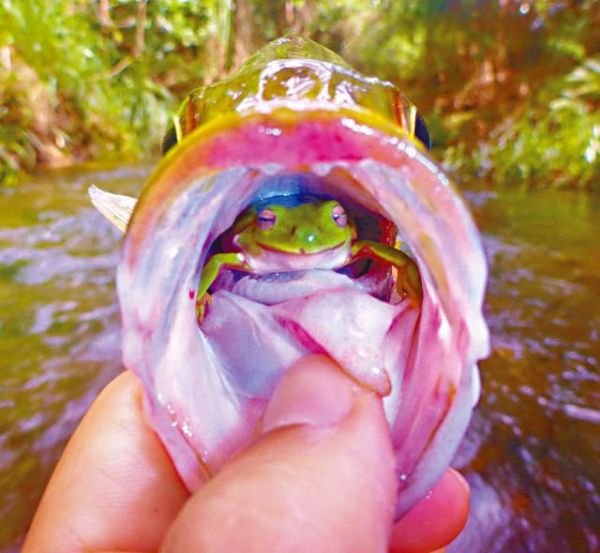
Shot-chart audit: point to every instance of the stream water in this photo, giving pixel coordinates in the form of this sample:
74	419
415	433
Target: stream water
531	454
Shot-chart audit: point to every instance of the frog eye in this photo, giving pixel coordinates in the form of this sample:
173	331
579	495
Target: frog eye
266	219
339	215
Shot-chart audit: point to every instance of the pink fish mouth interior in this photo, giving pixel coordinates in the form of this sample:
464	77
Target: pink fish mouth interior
207	386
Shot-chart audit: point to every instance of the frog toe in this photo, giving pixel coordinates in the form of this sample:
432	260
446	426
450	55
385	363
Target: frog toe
201	305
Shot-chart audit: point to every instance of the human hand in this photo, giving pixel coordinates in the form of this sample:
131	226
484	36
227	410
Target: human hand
320	478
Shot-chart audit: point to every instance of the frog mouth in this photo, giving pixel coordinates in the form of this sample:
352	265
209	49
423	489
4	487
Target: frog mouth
302	251
201	394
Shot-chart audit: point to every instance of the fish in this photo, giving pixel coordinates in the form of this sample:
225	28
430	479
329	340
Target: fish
296	120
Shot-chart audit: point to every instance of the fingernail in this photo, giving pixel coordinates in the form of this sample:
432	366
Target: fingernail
313	392
461	480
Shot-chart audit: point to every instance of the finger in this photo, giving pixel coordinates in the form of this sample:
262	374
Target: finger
436	520
114	488
321	477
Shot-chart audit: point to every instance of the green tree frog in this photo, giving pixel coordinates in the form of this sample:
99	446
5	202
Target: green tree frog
316	234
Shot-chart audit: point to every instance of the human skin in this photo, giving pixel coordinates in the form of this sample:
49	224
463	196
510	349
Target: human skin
319	477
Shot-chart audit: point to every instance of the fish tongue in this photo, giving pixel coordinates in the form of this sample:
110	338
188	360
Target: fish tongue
350	326
345	323
248	341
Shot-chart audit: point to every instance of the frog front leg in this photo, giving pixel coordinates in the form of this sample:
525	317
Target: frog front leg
408	281
211	271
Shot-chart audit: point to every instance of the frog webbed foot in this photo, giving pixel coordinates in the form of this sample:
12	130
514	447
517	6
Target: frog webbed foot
408	279
408	283
201	304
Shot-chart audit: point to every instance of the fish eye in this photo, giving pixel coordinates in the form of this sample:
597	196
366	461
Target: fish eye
421	131
266	219
339	215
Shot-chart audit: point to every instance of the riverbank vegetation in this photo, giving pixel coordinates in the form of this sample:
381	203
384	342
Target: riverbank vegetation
510	88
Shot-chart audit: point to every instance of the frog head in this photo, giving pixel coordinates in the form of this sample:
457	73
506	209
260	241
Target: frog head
308	228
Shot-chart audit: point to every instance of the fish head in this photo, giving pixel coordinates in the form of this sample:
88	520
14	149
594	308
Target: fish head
206	386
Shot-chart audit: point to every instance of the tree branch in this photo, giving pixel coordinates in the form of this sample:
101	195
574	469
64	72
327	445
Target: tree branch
138	47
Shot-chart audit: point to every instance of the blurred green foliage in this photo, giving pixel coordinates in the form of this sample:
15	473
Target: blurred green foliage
551	140
510	89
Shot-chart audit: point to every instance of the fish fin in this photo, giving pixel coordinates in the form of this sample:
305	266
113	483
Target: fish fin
115	207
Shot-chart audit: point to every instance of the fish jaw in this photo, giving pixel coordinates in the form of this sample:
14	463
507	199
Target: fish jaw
201	395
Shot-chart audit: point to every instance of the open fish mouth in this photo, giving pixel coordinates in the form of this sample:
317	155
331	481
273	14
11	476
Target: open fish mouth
207	385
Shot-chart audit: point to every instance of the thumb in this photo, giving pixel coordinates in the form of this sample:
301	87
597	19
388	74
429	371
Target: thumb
320	478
